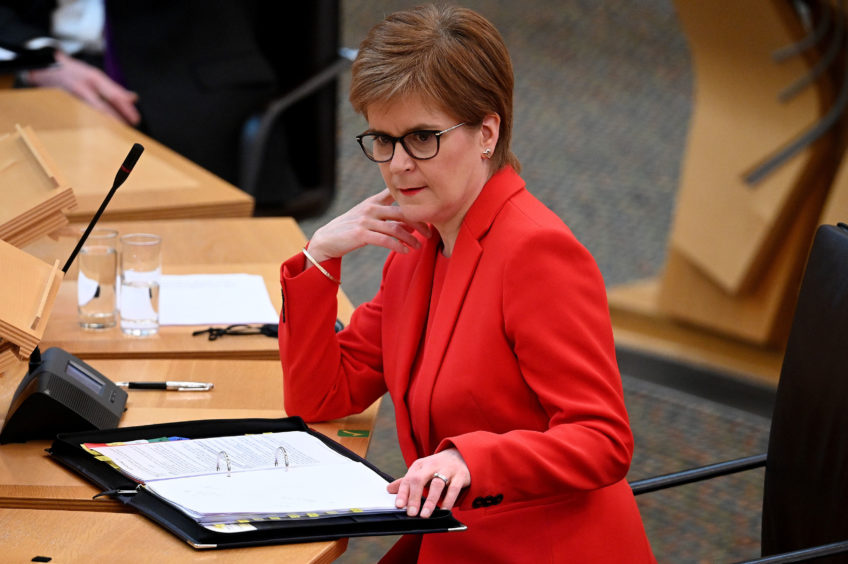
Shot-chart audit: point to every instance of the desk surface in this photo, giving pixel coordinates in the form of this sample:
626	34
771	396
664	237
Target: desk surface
29	479
250	245
85	536
88	147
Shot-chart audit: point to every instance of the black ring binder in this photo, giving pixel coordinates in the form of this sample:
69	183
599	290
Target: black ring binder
66	449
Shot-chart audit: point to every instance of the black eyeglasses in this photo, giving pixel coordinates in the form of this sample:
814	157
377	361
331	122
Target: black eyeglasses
421	145
269	330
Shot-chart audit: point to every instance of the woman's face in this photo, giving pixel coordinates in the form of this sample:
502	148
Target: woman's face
439	190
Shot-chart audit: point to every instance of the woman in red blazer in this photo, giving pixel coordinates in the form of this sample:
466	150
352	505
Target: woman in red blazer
490	329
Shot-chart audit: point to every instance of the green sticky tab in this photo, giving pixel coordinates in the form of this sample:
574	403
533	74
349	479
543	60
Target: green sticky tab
357	433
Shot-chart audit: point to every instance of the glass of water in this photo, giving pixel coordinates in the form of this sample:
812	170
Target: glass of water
97	280
141	271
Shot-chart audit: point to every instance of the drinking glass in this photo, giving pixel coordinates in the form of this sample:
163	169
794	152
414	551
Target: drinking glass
141	272
97	280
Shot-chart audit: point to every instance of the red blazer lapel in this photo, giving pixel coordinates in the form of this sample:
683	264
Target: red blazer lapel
415	307
463	263
460	272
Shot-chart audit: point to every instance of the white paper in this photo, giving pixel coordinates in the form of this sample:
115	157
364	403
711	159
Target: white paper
319	482
278	492
214	299
147	462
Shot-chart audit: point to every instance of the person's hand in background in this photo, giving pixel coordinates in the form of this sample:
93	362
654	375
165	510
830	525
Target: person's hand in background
89	84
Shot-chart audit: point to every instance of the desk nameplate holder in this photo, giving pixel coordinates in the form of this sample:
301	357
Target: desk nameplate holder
41	196
28	289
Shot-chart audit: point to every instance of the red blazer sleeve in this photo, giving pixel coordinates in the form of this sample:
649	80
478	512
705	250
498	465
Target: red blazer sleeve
326	375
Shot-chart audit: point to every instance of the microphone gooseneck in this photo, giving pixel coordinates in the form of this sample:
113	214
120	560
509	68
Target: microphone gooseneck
120	177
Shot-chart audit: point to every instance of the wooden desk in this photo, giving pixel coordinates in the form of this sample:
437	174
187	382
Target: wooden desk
88	147
190	246
84	536
28	479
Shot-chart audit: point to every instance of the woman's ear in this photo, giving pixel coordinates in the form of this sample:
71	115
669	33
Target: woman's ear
490	131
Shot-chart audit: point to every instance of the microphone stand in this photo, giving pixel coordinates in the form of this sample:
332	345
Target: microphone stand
120	177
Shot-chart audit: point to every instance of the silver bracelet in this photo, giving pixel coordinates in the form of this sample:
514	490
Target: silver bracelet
319	267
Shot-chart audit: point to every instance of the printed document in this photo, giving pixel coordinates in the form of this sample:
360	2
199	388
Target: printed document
285	475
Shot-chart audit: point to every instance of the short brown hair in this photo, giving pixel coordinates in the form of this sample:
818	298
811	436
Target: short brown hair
451	56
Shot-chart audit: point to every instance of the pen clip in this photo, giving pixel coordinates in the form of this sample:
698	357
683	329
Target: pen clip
191	386
117	492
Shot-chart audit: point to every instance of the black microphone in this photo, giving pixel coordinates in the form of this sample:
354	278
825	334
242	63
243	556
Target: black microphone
120	177
126	168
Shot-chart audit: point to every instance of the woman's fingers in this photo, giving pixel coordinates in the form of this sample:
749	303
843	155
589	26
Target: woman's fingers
374	221
451	495
442	475
437	486
397	230
385	197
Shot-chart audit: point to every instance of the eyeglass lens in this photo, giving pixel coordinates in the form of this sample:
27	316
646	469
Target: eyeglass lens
419	145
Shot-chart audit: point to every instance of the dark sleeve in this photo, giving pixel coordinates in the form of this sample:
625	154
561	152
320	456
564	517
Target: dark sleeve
18	24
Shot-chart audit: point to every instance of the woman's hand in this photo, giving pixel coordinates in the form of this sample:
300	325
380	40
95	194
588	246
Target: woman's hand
374	221
448	464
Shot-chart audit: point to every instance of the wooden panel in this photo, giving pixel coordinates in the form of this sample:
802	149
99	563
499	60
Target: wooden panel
87	158
761	315
172	186
639	324
722	226
28	288
82	536
836	206
37	195
195	241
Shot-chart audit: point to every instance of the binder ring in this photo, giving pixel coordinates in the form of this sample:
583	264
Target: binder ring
226	459
285	457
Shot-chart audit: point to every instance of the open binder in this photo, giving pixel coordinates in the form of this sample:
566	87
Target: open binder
67	450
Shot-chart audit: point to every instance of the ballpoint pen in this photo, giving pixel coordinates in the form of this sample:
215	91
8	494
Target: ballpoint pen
176	386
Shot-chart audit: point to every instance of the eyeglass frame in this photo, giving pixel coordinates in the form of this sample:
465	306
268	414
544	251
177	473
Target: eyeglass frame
396	140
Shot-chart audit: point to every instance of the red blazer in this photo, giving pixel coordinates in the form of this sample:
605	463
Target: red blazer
520	376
